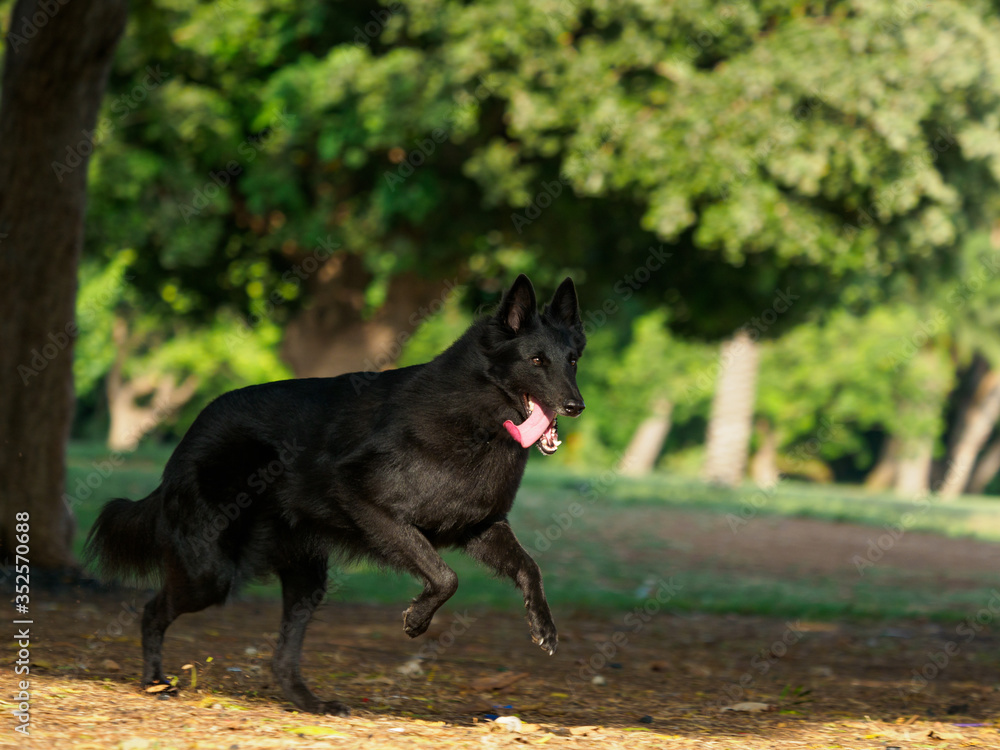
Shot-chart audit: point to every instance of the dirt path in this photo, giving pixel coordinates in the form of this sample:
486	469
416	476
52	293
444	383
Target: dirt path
797	546
666	679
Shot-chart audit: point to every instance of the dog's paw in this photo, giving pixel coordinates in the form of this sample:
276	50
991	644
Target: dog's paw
333	708
415	623
305	700
543	632
548	643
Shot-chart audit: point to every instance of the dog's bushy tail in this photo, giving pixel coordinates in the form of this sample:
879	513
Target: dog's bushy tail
123	542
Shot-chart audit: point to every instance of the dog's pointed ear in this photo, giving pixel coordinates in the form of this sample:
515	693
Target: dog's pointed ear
518	304
564	308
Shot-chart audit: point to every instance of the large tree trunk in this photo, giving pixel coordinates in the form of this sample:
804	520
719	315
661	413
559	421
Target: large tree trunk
731	420
976	426
332	336
647	442
56	65
987	468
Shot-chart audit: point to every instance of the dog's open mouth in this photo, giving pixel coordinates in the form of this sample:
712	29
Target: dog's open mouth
539	427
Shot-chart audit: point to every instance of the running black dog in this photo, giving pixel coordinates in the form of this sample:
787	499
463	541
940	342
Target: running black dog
386	466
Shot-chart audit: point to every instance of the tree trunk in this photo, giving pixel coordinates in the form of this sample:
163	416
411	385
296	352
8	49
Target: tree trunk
332	336
129	421
977	424
883	474
731	420
764	464
987	468
913	474
647	442
56	65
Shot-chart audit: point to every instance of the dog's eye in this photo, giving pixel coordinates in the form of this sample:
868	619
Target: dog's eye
572	361
536	360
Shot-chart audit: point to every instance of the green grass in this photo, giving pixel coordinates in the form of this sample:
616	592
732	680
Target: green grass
974	516
583	572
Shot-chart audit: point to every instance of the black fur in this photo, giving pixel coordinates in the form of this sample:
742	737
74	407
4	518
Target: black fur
387	466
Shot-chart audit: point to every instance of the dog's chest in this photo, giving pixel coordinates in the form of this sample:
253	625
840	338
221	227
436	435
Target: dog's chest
456	490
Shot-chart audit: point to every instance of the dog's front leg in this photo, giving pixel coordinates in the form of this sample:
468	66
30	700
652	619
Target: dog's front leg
498	548
404	547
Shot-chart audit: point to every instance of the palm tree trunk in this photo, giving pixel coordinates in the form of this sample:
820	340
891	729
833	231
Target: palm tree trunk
987	468
913	471
647	442
764	464
57	60
731	420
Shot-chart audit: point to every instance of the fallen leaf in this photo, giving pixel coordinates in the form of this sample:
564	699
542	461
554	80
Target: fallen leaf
497	681
159	688
111	665
315	731
583	731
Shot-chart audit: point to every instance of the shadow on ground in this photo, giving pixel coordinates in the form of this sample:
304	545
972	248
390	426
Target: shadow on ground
663	679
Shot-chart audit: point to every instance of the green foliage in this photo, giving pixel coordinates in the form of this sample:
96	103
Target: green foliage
102	289
847	151
821	136
850	374
224	354
436	333
622	382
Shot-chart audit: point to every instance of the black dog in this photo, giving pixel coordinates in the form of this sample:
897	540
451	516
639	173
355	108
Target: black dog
387	466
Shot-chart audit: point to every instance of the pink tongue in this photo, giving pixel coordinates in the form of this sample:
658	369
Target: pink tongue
528	432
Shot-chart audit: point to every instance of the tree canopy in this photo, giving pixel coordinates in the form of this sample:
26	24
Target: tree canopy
694	165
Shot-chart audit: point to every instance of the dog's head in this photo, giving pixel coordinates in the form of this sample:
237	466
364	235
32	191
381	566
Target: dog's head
534	360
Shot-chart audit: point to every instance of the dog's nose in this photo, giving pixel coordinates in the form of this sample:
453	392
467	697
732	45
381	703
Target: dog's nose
573	407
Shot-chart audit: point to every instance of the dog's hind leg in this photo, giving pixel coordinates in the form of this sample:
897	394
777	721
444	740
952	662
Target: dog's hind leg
302	589
156	617
179	594
498	548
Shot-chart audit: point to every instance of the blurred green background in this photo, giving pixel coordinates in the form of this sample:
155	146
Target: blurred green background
787	209
782	219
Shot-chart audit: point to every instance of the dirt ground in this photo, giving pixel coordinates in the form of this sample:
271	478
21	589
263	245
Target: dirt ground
663	679
803	546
